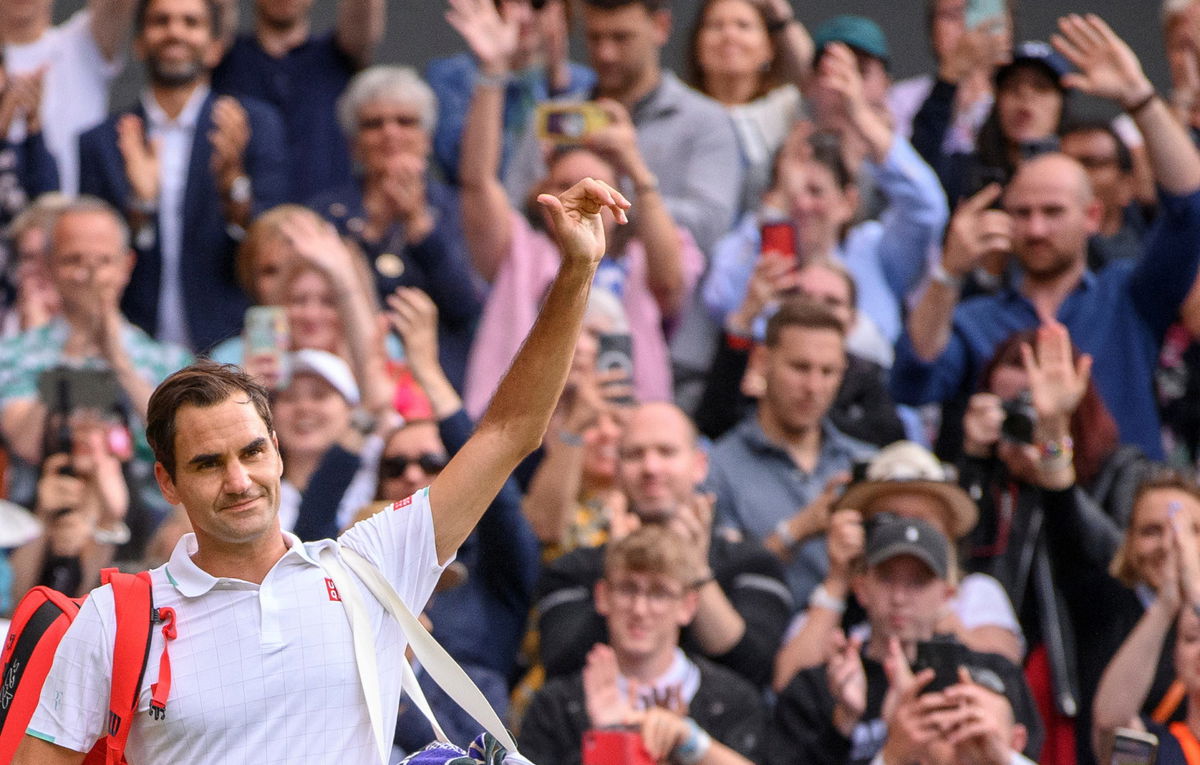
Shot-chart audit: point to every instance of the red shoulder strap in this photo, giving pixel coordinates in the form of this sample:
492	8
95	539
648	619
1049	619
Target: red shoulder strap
134	611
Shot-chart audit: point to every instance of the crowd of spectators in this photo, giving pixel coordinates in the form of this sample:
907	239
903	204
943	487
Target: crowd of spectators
880	372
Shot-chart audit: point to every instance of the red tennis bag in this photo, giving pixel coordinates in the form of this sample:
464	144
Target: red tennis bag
39	623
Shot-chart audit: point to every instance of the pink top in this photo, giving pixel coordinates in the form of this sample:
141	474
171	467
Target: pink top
521	283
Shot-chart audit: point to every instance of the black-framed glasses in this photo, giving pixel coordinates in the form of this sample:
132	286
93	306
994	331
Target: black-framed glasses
429	462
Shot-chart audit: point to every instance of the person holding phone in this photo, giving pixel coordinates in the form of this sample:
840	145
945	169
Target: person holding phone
652	271
842	712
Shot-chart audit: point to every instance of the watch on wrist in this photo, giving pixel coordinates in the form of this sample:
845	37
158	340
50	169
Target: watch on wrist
240	191
119	534
939	274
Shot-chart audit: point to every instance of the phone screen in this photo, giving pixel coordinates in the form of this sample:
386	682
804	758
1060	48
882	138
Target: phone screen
944	657
1133	748
779	240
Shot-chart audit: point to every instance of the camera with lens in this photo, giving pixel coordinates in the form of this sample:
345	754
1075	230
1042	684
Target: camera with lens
1020	419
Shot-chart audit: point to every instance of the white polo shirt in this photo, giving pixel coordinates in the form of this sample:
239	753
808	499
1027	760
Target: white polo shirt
260	673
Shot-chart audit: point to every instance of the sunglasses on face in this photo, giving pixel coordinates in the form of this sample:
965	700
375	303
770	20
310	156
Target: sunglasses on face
429	462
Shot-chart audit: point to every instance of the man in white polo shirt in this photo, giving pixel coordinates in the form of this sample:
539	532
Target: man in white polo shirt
263	668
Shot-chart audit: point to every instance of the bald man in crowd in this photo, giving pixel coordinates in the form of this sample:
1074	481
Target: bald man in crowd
1118	315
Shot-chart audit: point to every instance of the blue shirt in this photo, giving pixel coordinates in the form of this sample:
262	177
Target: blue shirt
453	82
757	485
304	85
1118	316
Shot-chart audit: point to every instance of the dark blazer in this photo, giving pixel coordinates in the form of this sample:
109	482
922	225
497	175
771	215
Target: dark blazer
213	301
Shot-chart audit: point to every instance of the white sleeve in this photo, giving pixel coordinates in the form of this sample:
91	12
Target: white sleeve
74	703
400	542
982	602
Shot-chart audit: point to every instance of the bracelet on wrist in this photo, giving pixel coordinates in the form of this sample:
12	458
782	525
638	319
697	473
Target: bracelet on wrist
486	80
939	275
1061	449
694	747
1141	103
118	534
647	186
821	598
783	530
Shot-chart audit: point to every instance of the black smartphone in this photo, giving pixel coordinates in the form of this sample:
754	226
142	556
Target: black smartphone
1132	747
616	352
944	656
82	389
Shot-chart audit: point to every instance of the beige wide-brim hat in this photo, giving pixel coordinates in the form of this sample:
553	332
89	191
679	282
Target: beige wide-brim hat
17	525
909	467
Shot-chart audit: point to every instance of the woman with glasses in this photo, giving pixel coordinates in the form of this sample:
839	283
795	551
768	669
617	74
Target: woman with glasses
406	222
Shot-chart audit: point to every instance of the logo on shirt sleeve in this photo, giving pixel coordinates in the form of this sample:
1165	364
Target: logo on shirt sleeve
331	590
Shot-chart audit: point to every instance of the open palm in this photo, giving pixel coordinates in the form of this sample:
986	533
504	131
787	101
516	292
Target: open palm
493	39
1108	68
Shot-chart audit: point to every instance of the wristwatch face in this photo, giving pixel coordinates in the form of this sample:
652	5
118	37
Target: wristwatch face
240	190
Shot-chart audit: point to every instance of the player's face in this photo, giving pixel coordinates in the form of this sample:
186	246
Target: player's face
227	473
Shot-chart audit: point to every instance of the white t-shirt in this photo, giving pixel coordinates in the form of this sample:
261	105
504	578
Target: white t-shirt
74	93
260	673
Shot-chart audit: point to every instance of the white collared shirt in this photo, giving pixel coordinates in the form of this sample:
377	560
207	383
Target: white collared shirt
260	673
174	157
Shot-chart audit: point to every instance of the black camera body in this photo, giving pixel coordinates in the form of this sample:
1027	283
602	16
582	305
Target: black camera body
1020	419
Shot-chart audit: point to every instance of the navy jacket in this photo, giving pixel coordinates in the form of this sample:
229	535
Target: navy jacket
213	301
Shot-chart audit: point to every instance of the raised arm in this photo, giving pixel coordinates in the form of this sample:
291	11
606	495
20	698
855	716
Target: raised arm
485	207
793	44
516	419
111	21
360	27
1108	68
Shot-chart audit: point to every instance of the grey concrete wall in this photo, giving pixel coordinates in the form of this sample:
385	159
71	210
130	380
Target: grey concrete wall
417	31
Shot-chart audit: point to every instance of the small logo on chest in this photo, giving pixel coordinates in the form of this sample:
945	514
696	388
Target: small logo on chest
331	590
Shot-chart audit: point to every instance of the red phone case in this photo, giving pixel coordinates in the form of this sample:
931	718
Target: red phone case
779	240
615	747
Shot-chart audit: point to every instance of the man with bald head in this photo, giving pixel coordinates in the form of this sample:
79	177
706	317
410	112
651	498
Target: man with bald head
1118	315
742	602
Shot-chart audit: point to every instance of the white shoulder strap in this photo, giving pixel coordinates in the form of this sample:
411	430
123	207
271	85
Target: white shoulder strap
364	646
434	659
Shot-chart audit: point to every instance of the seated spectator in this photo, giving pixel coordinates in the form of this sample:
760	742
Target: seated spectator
907	481
753	57
481	622
1031	104
76	62
863	408
82	502
682	705
281	62
1124	222
818	195
1118	316
653	271
774	473
406	223
89	267
30	299
743	604
1169	631
965	61
26	167
834	713
574	499
538	69
187	168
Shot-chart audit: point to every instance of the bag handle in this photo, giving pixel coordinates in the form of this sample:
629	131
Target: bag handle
435	659
364	646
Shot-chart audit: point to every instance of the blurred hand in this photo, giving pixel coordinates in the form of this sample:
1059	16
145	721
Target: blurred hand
693	523
1108	68
847	681
816	514
973	731
606	705
618	139
772	277
491	35
140	156
55	490
414	317
976	231
981	424
662	731
96	465
1057	382
229	137
838	73
845	541
318	244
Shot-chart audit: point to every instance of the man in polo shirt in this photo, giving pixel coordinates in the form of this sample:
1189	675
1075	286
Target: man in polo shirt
263	668
283	63
775	473
1119	315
